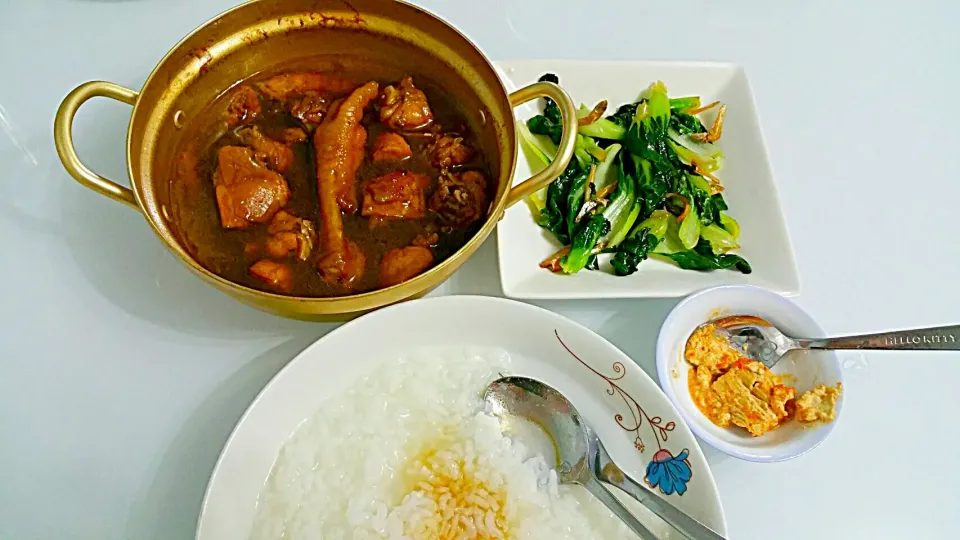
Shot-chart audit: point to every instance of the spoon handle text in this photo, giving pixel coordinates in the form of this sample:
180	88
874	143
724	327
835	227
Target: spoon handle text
682	522
943	338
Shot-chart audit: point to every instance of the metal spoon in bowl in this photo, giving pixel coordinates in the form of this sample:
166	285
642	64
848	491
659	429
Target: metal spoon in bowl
759	340
533	411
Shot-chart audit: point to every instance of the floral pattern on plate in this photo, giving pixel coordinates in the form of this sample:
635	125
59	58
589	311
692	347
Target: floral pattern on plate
666	472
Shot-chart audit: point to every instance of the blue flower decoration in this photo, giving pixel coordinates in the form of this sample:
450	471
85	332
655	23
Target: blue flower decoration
669	473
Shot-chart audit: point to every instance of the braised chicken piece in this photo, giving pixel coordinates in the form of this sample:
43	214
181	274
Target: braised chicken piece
294	135
339	145
397	195
401	264
289	234
344	267
461	198
405	107
450	151
310	109
281	244
389	146
246	191
283	222
244	106
275	274
273	154
341	141
287	85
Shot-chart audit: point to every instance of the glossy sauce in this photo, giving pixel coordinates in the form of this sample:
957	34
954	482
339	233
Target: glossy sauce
225	252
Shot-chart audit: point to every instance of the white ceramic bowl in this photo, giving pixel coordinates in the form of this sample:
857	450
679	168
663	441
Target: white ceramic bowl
808	367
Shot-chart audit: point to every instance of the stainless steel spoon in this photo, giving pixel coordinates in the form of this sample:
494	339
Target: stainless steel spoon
760	340
529	409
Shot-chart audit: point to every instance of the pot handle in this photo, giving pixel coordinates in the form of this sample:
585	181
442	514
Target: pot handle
568	140
63	137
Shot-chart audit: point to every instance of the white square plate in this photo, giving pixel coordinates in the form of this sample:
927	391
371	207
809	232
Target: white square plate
750	190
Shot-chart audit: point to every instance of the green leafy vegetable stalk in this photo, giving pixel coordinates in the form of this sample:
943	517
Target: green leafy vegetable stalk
643	239
584	241
632	252
553	217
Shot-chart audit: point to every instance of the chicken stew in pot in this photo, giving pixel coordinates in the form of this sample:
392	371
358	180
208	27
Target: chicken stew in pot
326	184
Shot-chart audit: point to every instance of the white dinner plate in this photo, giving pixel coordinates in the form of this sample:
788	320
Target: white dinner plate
750	190
632	416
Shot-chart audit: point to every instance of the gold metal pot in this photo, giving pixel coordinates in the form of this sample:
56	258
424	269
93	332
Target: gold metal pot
270	35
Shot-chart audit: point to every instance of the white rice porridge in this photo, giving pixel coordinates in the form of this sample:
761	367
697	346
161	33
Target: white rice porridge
406	453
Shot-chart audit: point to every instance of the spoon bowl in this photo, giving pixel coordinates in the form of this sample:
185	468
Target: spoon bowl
543	419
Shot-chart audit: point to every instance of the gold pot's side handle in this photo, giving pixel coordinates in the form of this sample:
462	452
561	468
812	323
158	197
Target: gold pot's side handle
63	137
568	140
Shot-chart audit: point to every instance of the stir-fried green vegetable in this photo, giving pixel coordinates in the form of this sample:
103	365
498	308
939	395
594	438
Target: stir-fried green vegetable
703	258
642	184
584	241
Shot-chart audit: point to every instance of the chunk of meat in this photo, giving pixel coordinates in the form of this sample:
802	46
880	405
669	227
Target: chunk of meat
405	106
283	222
281	244
244	106
310	109
344	267
339	147
288	234
449	151
287	85
273	154
341	142
246	191
276	275
389	146
401	264
347	185
294	135
396	195
461	198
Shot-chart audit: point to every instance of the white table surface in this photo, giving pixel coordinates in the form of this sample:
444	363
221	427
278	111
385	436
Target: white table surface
122	374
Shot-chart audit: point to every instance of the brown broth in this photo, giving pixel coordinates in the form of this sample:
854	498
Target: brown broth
222	251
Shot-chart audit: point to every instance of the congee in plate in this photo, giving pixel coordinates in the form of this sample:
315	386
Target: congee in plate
407	453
